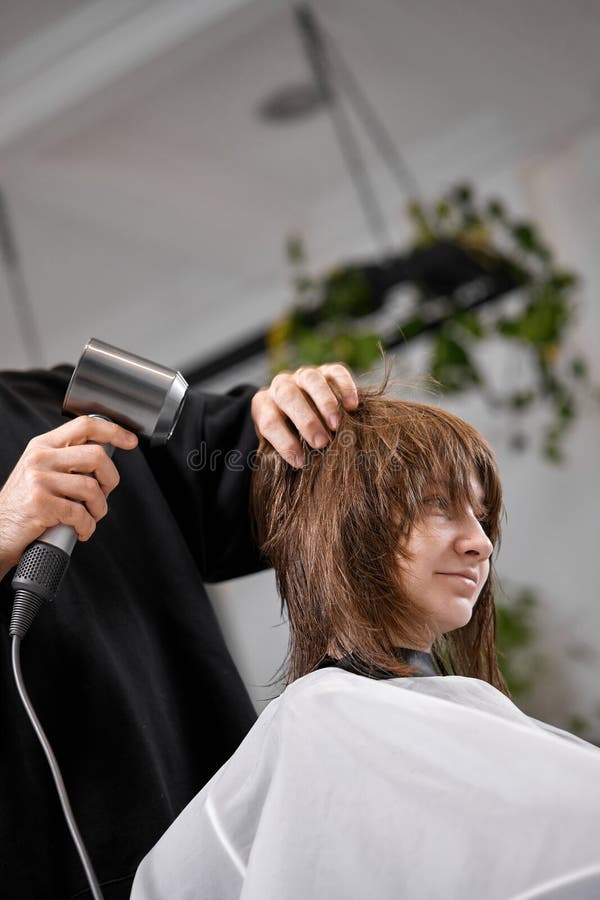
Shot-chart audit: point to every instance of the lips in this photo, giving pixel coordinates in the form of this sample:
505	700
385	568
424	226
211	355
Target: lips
468	574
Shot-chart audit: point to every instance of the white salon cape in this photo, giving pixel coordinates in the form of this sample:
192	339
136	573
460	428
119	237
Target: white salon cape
423	788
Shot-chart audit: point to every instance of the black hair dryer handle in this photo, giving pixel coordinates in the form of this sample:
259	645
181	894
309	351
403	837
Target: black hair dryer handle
41	570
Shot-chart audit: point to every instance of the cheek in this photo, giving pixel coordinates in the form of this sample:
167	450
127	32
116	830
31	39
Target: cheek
486	575
431	547
424	541
429	542
417	571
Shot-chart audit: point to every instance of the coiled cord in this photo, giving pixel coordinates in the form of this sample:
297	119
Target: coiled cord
26	606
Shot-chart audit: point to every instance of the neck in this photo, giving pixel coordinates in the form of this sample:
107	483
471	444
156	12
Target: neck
334	653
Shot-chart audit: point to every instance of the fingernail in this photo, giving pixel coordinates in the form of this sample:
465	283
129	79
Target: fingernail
333	421
131	438
320	439
296	460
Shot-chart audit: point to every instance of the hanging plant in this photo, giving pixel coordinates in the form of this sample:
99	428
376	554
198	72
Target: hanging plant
515	640
466	257
521	659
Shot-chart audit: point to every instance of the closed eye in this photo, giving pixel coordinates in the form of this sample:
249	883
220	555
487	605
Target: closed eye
437	503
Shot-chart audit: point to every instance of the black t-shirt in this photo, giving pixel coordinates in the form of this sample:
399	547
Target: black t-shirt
127	669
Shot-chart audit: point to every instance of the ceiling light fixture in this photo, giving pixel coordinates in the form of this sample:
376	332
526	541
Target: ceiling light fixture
291	103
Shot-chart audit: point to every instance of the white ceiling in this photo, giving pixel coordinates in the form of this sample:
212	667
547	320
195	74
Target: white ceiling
24	20
151	203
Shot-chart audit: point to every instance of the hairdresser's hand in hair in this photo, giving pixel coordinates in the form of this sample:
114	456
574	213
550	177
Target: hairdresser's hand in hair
288	399
50	485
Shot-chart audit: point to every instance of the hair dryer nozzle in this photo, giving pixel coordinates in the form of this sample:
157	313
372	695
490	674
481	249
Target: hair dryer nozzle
134	392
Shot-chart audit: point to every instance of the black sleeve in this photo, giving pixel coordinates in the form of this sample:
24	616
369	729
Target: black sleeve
204	473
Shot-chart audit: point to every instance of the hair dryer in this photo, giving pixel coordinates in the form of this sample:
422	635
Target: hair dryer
133	392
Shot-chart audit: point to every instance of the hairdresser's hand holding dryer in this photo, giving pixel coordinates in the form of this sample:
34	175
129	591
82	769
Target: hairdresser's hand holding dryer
49	484
129	671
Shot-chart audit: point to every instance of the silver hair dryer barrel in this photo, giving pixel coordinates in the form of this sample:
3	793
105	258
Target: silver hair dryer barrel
132	391
113	384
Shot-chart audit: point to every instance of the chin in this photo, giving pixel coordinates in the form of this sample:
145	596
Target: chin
462	613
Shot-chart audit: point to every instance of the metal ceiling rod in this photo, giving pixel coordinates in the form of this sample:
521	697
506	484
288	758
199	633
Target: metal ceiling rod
319	62
17	289
374	127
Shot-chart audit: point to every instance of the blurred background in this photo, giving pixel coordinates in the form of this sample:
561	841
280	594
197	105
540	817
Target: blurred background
234	186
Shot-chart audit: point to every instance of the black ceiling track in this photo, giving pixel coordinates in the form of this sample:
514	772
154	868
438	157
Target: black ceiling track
449	277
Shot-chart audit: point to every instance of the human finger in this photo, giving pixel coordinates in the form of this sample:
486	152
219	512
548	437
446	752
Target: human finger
271	426
81	488
338	375
291	400
313	382
87	428
70	512
87	459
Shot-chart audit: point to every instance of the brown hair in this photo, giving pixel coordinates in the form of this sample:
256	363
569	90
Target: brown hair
336	529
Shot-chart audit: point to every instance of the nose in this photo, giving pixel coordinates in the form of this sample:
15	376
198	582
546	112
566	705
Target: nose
472	539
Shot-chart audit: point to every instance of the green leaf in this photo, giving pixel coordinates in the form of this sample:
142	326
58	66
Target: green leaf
366	351
578	725
451	364
294	250
552	452
298	319
508	327
411	328
525	235
566	410
313	348
462	194
450	351
470	220
521	399
563	280
424	232
515	635
442	210
495	209
343	347
579	367
542	321
470	321
347	294
544	252
302	284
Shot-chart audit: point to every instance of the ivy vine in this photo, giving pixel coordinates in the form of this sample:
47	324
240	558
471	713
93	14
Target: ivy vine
458	312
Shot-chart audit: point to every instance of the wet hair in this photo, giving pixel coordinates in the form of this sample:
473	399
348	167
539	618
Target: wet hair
336	532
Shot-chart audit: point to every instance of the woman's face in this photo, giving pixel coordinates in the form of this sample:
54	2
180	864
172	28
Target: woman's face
449	559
